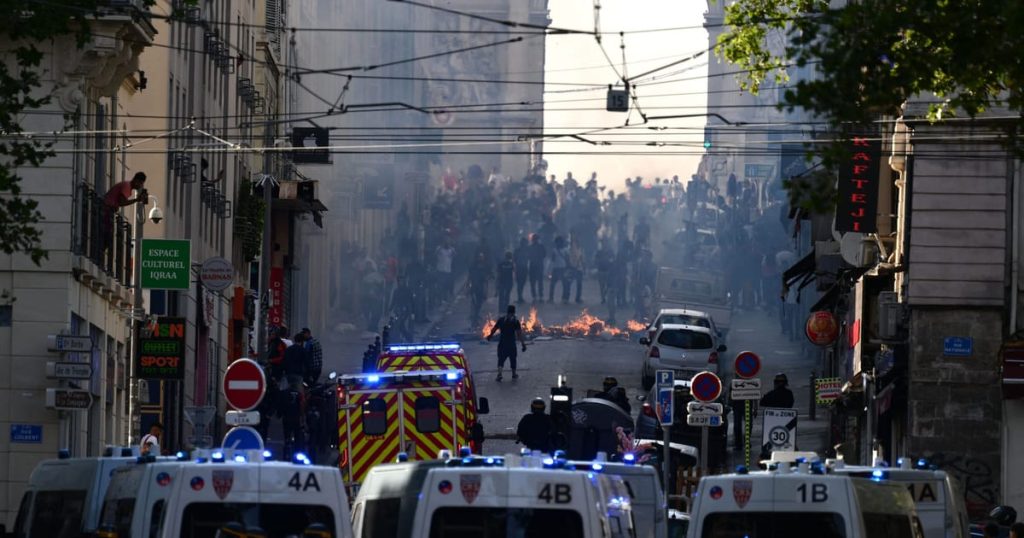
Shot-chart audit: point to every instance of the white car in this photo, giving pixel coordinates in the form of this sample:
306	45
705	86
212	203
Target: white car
687	349
683	316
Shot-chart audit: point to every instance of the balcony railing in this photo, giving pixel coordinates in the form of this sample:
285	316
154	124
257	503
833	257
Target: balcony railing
103	236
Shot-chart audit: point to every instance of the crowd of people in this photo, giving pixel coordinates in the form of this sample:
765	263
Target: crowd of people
535	240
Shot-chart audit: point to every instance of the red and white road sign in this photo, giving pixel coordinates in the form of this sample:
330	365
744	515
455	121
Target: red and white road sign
244	384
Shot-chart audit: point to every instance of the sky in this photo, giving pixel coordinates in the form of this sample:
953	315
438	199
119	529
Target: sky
579	59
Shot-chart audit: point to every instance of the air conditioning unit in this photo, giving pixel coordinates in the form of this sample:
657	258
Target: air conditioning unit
890	316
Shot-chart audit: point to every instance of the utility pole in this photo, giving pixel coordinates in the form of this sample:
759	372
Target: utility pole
138	318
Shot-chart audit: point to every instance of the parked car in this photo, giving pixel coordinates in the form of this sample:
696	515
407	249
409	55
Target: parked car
687	349
646	425
684	316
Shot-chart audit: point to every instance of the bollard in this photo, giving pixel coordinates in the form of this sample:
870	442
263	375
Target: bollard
813	400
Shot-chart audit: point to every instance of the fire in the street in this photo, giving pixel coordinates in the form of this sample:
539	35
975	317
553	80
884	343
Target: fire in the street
583	325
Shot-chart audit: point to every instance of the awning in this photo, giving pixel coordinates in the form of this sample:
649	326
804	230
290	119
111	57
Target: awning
801	274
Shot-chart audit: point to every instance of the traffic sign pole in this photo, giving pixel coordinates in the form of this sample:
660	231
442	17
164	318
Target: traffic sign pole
746	432
704	448
666	380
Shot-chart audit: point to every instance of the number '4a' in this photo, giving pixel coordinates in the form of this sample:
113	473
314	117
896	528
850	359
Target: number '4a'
298	484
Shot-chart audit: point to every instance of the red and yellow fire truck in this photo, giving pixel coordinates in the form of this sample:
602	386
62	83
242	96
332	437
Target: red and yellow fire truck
420	402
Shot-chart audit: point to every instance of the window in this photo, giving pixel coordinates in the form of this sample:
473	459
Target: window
156	519
375	416
683	319
428	414
205	520
774	525
685	339
58	514
381	520
461	522
889	525
119	513
19	522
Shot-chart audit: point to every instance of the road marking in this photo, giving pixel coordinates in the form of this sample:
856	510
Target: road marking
243	385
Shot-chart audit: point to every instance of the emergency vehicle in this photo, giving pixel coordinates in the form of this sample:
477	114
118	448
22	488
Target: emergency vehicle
940	504
647	498
422	401
225	495
64	495
802	501
492	496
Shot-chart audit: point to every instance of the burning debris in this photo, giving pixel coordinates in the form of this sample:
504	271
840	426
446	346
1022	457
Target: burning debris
585	325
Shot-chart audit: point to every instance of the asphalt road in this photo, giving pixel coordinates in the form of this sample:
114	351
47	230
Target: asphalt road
586	361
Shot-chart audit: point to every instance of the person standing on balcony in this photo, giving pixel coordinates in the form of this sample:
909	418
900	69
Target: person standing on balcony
117	197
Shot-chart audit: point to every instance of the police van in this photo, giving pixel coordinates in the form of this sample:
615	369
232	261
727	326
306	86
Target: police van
415	412
805	501
215	495
940	504
64	495
647	498
494	497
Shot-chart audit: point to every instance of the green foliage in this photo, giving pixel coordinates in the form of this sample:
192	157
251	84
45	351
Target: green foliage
873	55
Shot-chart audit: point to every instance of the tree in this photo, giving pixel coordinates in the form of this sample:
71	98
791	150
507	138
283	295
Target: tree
24	26
874	55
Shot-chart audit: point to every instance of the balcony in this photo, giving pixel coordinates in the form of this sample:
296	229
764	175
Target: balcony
102	236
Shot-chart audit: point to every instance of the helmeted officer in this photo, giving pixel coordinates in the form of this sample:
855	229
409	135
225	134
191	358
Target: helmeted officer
535	427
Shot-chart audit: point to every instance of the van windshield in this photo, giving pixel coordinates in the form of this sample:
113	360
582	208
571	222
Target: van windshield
206	520
890	525
58	514
452	522
774	525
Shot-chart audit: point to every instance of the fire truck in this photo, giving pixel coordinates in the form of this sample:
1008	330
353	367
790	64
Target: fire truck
420	401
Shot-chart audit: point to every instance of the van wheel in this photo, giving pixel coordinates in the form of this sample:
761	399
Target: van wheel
647	381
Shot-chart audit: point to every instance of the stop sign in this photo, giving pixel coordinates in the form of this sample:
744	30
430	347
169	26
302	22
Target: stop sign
244	384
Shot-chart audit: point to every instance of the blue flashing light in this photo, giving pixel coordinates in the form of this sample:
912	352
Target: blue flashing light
922	463
548	462
200	460
217	457
239	458
181	456
402	457
467	460
629	458
452	376
63	454
597	467
742	469
524	452
267	455
300	459
490	461
373	378
801	460
877	475
465	451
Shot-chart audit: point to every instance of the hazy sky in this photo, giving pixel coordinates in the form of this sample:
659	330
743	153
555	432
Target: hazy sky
578	59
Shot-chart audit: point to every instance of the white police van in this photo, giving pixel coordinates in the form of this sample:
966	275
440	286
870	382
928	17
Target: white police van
494	497
648	501
64	495
215	496
940	504
806	501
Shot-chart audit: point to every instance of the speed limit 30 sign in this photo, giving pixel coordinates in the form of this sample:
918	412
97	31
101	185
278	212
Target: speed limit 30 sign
779	429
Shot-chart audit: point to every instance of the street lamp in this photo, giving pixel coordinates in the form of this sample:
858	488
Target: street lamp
138	312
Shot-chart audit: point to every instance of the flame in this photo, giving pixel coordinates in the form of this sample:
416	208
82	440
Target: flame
583	325
635	326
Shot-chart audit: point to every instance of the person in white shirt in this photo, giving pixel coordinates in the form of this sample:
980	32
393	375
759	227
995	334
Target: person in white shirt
150	443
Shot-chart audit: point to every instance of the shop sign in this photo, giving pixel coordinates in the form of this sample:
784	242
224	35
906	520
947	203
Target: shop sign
162	355
821	328
857	202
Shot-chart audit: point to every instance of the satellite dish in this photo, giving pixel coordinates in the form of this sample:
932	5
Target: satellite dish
851	248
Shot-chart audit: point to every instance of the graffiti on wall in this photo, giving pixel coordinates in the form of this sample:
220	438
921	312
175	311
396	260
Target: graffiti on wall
976	477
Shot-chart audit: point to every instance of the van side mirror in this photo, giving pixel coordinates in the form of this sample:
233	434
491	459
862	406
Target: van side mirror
722	348
644	341
484	406
641	398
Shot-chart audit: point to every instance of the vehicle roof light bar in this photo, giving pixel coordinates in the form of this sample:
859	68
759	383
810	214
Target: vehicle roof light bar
452	375
444	346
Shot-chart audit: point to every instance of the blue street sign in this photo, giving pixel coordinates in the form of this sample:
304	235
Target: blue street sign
665	378
243	438
706	387
958	346
748	364
666	404
27	433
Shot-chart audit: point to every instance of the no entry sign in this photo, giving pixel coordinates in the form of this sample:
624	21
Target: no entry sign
706	387
244	384
748	364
